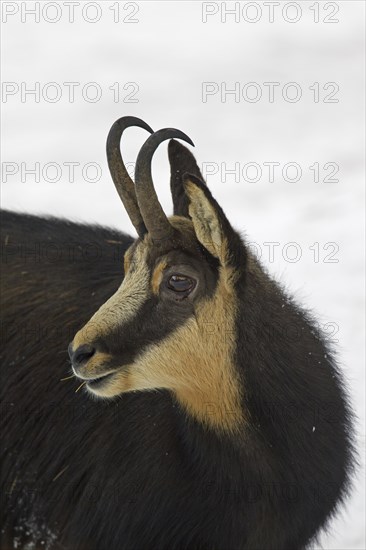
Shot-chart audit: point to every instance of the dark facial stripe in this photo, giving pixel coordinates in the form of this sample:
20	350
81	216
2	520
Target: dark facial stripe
150	325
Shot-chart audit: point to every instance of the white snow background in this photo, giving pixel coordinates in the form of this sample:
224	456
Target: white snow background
168	53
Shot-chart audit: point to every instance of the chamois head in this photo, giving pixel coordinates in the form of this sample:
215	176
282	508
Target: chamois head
171	323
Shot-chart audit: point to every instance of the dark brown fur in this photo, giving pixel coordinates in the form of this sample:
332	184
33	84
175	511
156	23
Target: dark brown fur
164	469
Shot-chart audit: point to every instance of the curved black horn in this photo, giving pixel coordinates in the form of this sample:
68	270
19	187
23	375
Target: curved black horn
154	217
124	184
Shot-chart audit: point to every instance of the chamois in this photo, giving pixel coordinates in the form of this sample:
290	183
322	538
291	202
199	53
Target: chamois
219	419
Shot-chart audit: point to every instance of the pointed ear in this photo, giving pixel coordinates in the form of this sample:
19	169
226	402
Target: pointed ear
181	161
212	228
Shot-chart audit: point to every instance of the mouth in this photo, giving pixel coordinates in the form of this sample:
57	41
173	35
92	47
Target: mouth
97	383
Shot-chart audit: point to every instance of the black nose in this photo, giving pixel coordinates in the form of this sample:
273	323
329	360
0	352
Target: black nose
81	354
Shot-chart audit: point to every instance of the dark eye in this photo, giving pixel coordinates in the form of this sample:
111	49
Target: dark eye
181	283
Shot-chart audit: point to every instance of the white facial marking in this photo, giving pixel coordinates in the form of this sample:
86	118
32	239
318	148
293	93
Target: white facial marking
123	305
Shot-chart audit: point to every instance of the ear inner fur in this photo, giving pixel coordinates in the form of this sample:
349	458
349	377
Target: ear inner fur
206	221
